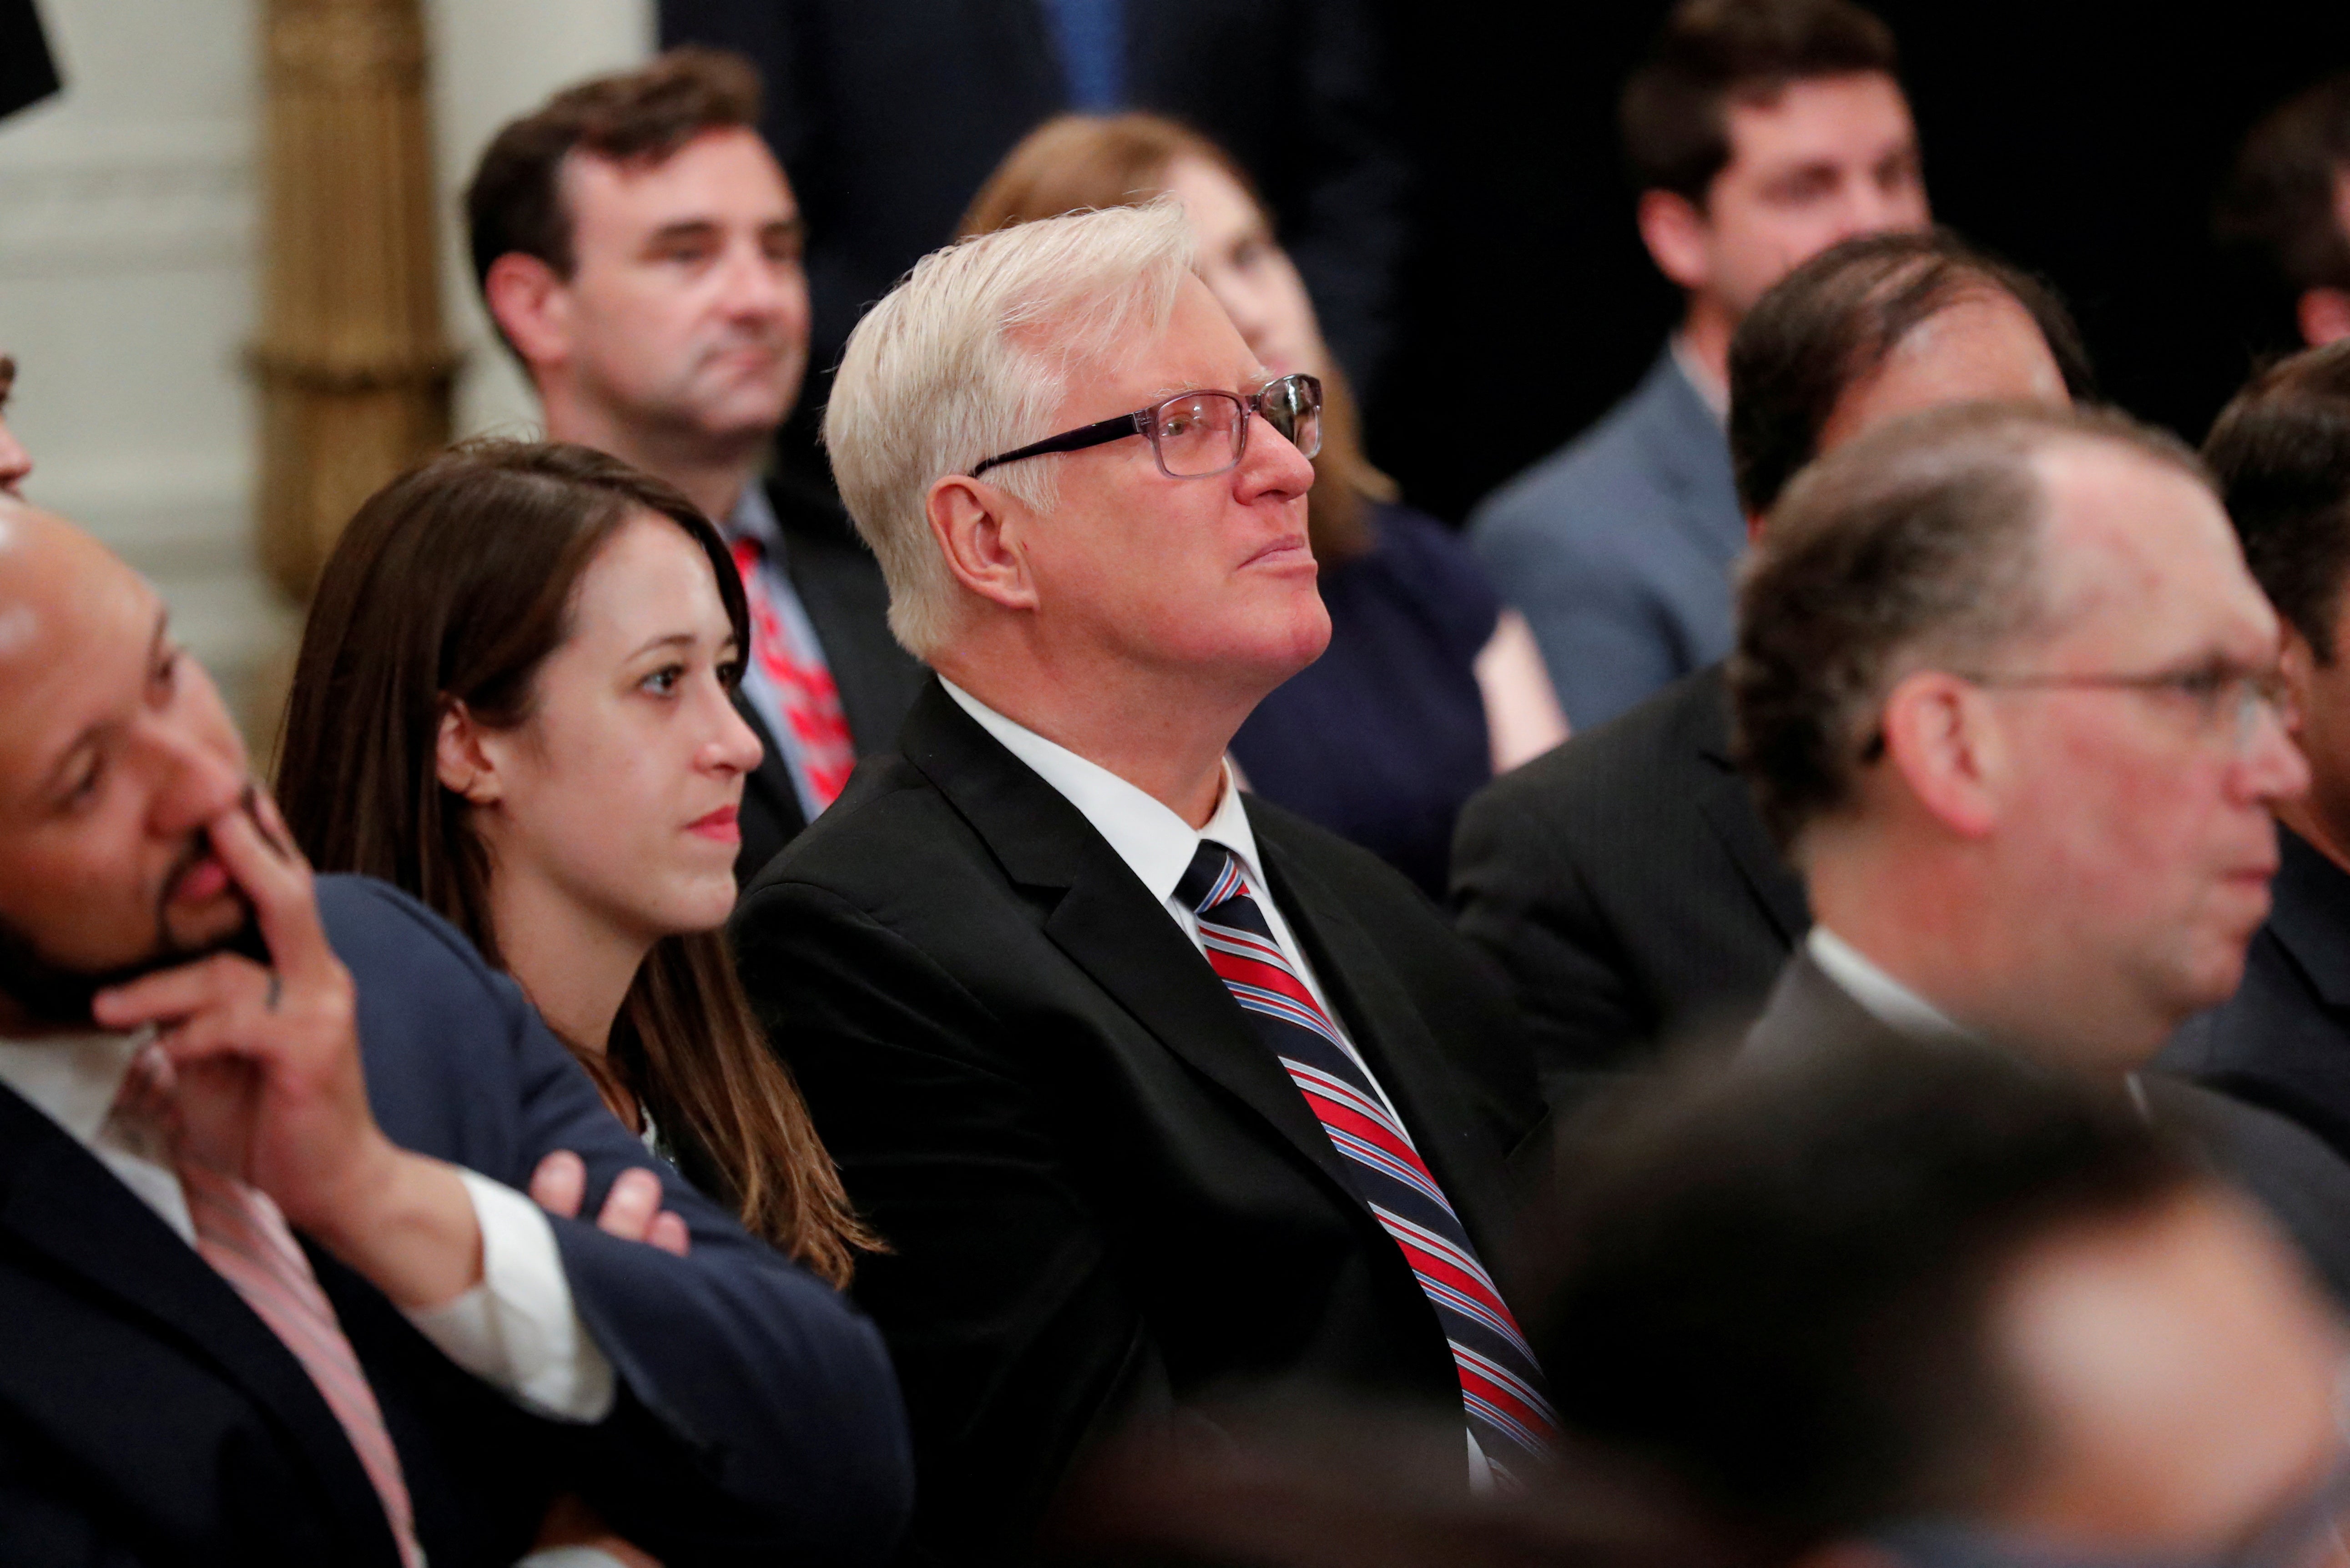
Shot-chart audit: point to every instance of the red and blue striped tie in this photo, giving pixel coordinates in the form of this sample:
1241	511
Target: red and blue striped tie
1500	1386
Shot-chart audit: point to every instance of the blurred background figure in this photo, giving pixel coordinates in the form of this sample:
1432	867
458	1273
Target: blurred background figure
1760	133
546	641
891	118
639	249
1948	1309
2009	699
15	462
2289	203
2281	453
1429	687
1625	882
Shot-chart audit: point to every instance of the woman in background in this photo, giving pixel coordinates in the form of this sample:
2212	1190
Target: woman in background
1429	687
513	700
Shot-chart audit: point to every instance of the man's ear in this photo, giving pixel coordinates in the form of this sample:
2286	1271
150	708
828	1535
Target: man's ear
1674	230
1941	737
460	759
2324	315
983	533
532	307
2297	667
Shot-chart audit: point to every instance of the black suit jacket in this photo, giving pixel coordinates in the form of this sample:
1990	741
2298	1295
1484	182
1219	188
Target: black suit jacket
1627	885
147	1416
839	585
2304	1185
2282	1041
1105	1196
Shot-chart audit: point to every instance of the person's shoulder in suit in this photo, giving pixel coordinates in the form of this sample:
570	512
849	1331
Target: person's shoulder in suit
2282	1041
1618	546
1593	878
729	1348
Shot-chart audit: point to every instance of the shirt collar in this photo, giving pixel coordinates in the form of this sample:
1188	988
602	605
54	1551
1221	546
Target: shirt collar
754	517
1884	998
1156	845
1711	390
72	1080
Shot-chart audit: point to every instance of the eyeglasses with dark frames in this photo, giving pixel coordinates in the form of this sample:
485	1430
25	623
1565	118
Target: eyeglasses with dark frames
1195	435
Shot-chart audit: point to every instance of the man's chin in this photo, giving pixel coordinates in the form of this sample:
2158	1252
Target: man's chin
51	996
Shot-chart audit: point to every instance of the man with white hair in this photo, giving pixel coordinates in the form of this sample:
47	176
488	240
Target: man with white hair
1155	1090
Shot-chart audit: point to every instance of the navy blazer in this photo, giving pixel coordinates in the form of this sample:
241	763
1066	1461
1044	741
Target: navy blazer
1618	548
161	1422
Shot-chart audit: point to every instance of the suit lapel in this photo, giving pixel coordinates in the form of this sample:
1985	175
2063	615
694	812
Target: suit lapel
1106	920
56	1198
1728	805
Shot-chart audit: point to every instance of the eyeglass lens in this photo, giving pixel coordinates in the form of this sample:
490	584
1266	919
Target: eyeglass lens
1202	433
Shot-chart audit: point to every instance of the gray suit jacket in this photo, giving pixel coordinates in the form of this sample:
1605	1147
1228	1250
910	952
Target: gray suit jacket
1619	547
2304	1185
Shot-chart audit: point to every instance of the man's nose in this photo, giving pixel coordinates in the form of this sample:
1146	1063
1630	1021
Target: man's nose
15	462
752	285
2272	767
199	780
1272	464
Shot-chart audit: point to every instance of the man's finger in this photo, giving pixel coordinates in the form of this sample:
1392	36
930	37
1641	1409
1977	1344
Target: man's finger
670	1234
174	993
560	1183
631	1205
282	893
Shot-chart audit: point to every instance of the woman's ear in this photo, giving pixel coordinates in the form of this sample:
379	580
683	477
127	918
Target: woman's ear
979	529
462	764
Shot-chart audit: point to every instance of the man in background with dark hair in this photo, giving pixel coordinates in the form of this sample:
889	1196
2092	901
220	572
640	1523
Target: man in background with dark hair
2290	203
2038	1330
1624	881
2009	700
1759	132
2281	453
639	248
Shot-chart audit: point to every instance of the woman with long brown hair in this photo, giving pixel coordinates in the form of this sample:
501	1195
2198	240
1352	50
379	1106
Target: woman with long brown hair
1429	687
513	700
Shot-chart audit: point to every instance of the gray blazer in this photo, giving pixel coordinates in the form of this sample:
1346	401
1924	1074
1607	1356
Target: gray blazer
2303	1184
1619	547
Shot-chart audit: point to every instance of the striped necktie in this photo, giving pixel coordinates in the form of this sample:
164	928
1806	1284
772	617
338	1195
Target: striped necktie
820	747
242	1234
1501	1385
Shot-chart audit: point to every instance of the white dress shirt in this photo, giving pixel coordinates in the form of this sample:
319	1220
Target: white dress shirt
1157	846
1880	995
518	1330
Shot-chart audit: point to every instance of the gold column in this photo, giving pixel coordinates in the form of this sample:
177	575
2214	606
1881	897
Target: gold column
353	367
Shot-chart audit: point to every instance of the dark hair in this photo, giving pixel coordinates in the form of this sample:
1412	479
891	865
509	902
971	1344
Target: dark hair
1674	111
453	585
516	200
1075	161
1833	320
2281	201
1776	1279
1919	539
2281	451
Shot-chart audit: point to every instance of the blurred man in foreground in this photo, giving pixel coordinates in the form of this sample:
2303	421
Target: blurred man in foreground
1624	881
2281	453
2009	699
1155	1089
2037	1331
639	248
264	1142
1759	132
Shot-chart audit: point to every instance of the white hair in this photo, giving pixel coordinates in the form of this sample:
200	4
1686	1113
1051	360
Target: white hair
969	357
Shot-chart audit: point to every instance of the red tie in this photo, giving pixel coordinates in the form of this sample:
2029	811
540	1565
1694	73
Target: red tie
811	702
241	1233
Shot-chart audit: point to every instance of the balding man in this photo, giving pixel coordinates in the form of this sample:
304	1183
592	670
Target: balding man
1156	1090
264	1140
2009	700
